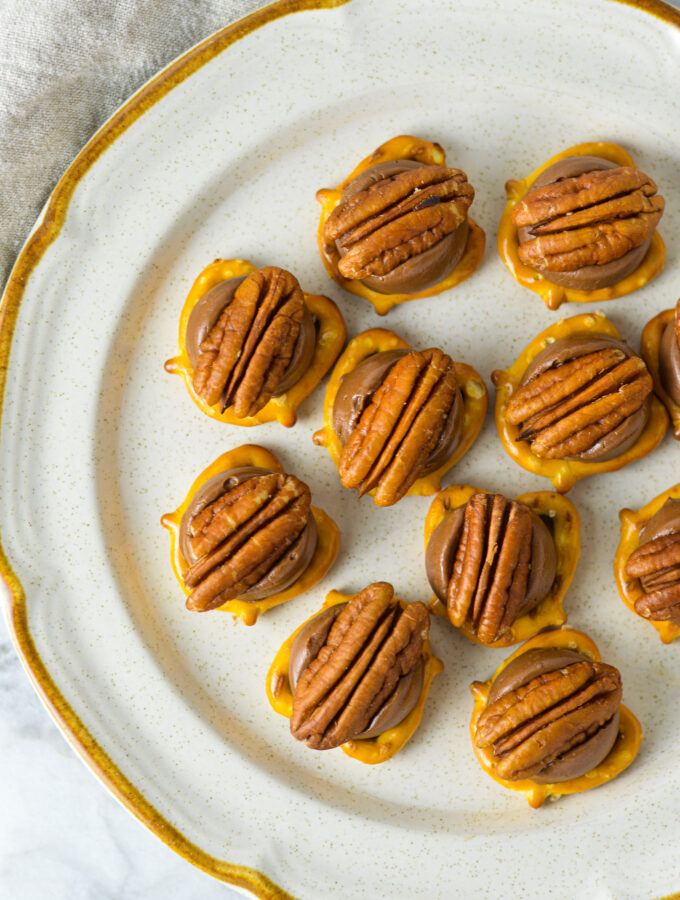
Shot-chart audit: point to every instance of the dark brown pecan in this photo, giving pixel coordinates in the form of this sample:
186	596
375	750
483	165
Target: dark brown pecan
401	426
490	575
587	220
657	565
574	408
372	644
241	536
243	358
398	218
550	718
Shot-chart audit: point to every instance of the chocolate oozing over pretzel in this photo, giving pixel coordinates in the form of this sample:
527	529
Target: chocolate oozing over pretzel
422	268
669	357
583	397
656	563
602	212
356	669
489	562
249	543
551	715
356	392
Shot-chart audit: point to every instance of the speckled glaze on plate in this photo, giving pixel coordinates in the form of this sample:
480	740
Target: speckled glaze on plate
221	155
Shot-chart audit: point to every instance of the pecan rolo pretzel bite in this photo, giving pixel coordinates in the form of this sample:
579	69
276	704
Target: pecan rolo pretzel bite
397	228
647	562
578	401
396	419
550	721
252	344
661	351
582	227
356	674
500	568
246	537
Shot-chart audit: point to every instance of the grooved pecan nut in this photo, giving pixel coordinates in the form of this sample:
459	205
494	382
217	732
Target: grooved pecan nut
656	563
490	574
585	404
587	220
397	218
554	718
254	531
244	356
399	429
372	644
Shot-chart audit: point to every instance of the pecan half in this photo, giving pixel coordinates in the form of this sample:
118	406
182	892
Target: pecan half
400	427
397	218
245	534
552	725
247	351
657	565
372	644
588	220
592	405
490	575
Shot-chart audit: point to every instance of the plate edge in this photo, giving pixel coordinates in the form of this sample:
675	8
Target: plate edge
44	234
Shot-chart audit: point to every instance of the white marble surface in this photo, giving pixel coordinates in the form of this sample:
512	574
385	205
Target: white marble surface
62	835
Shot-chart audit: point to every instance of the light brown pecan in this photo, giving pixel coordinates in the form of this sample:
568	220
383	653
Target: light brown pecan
548	717
657	565
401	426
491	570
587	220
240	537
372	644
569	408
249	348
397	218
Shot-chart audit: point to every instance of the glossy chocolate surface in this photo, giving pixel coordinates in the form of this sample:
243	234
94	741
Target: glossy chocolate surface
669	361
665	521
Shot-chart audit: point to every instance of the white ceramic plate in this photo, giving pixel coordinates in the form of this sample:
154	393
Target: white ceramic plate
98	441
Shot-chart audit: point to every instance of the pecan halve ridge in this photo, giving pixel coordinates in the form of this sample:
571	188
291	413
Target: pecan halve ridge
569	195
389	198
372	643
269	344
246	537
402	424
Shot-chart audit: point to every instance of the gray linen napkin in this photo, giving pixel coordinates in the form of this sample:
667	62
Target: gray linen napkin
65	66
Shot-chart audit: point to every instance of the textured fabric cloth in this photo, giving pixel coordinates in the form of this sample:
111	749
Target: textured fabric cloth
65	66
